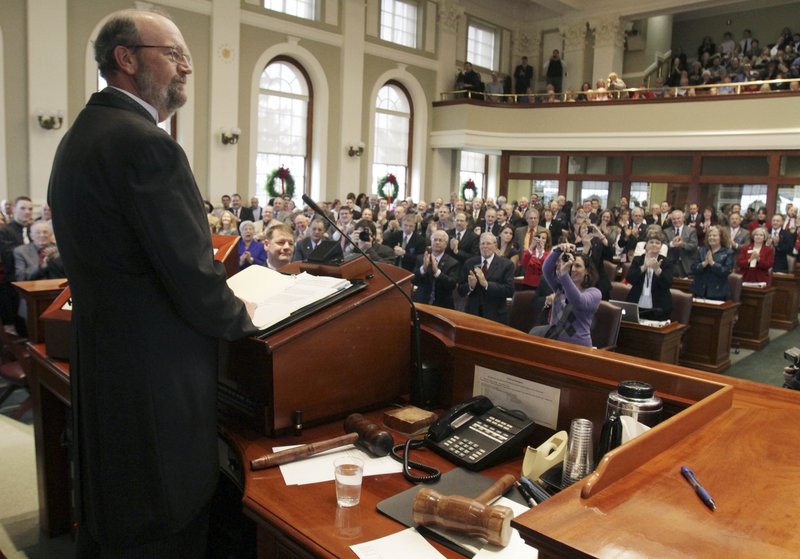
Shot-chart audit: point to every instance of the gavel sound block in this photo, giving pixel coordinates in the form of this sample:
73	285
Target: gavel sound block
360	432
473	517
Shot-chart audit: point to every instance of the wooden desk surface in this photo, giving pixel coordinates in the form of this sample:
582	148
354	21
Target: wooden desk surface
746	458
308	513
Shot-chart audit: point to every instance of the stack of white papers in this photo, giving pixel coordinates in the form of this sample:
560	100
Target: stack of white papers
277	295
754	284
709	301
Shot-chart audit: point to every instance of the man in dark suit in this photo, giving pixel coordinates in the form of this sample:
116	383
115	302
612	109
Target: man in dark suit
240	212
487	281
14	234
782	241
436	274
523	78
489	223
407	243
304	247
682	244
149	304
523	235
463	241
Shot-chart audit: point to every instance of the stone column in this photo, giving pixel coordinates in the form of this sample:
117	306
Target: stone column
449	15
609	41
223	103
574	55
352	100
47	88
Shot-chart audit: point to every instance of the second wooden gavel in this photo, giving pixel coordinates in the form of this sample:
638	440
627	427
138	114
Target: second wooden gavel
473	517
360	431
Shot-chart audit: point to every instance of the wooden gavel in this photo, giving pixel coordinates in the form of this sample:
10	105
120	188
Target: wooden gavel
474	517
360	432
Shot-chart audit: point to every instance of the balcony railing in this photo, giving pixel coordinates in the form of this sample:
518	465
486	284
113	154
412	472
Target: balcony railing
760	87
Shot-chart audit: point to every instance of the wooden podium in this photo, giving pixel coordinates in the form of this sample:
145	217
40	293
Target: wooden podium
787	301
751	330
353	355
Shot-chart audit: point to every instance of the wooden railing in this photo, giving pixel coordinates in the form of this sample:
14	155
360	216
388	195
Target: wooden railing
631	93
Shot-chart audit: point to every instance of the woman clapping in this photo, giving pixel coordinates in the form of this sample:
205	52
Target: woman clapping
712	266
757	258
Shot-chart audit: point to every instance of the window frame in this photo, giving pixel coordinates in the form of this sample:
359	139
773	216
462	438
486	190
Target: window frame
309	118
417	23
485	27
406	191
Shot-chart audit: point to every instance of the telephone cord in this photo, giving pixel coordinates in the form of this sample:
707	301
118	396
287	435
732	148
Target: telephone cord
433	474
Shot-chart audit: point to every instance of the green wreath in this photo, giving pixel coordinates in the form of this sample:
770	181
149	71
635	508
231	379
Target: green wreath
285	181
382	182
468	185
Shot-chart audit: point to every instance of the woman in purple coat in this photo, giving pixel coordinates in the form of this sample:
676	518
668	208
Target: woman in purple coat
572	279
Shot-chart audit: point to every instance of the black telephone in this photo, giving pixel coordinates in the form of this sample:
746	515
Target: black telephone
477	434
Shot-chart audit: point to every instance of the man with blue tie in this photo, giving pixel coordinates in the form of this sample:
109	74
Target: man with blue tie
487	281
436	273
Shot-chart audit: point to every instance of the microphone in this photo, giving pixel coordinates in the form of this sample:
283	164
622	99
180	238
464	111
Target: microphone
417	397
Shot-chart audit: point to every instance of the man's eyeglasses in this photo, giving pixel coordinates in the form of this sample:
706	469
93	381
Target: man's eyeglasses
176	55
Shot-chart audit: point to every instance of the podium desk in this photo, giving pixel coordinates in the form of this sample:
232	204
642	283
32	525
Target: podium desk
48	382
38	294
751	330
708	344
733	433
787	300
659	344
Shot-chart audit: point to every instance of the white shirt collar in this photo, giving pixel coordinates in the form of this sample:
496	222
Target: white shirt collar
150	108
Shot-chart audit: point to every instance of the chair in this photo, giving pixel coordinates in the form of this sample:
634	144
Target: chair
626	267
523	314
13	370
681	306
735	286
605	326
611	269
619	291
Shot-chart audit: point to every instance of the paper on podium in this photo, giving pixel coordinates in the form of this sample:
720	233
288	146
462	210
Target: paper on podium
277	295
320	467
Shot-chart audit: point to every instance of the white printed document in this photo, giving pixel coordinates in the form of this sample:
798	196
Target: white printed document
277	295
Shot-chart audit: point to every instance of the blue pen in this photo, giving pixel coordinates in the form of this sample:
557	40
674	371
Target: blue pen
699	489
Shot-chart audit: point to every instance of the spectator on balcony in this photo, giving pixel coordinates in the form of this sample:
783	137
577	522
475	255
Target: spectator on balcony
615	86
707	46
470	80
728	45
585	88
554	70
746	43
523	78
495	89
675	72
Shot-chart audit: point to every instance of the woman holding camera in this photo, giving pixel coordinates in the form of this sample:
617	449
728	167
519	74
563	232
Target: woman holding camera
713	265
650	278
572	278
591	242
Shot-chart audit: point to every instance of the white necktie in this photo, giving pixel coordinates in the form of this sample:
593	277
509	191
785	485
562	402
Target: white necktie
25	239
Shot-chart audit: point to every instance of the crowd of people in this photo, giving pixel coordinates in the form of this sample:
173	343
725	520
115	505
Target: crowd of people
28	251
719	69
466	254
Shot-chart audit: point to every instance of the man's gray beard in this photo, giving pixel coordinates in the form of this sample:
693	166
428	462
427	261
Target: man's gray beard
167	100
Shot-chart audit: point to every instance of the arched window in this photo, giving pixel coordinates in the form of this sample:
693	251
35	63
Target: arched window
284	125
393	125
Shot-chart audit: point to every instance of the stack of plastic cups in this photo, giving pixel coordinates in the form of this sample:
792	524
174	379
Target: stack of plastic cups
579	461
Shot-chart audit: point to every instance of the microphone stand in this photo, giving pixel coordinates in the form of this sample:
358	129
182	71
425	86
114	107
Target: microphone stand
417	397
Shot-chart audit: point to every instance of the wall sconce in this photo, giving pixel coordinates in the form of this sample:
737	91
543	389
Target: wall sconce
52	121
231	137
356	151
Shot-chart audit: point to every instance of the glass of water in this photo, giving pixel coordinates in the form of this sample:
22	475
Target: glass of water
349	471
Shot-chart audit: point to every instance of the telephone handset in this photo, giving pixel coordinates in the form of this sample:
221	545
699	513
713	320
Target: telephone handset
477	434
